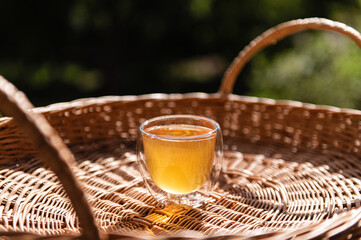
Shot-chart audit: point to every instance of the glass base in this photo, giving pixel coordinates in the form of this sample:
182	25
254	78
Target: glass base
194	199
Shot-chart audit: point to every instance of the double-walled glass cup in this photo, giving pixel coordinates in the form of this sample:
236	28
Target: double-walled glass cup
179	157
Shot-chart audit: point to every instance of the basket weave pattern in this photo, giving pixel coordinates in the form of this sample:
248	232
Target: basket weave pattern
290	169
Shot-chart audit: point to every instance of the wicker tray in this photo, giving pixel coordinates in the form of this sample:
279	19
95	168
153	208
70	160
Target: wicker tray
290	170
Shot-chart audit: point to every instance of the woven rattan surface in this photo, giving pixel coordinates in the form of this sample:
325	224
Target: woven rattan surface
290	170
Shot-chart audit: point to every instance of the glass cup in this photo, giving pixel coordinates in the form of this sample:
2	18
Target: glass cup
179	157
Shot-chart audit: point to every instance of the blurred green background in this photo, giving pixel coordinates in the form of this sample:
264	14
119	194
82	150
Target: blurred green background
63	50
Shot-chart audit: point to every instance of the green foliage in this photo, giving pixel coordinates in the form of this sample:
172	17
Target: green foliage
320	68
201	8
63	50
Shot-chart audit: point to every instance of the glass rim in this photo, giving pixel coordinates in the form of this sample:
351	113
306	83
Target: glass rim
180	116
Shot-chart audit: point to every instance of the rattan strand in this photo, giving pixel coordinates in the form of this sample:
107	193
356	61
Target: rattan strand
291	170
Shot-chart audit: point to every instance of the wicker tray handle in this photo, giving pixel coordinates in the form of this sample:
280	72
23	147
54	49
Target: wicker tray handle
276	33
51	150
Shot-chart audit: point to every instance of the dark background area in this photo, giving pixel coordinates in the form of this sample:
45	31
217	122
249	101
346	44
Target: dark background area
63	50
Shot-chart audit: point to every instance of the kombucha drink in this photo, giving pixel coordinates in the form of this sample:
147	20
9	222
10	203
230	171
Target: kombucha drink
179	158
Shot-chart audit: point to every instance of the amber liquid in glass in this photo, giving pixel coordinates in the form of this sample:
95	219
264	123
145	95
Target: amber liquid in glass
176	163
